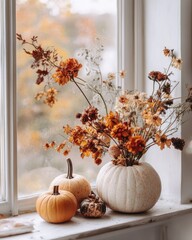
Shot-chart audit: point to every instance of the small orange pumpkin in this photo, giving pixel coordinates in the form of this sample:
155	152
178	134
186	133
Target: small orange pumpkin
76	184
56	207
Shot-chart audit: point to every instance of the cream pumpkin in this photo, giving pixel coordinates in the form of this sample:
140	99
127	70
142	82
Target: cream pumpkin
129	189
55	206
74	183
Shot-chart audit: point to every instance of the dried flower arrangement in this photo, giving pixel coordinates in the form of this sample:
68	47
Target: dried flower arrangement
133	122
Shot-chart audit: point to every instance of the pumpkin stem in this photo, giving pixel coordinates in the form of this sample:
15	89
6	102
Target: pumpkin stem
70	169
56	190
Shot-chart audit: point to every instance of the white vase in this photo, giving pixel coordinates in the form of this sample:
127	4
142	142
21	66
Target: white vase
129	189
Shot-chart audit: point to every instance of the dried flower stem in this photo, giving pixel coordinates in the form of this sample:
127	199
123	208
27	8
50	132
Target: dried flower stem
94	90
73	80
172	123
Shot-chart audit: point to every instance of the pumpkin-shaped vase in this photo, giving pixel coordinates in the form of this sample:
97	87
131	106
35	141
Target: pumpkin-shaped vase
128	189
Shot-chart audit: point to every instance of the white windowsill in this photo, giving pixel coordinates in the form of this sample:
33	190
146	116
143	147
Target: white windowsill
80	227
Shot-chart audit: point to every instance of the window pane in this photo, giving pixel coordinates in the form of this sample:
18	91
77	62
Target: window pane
68	25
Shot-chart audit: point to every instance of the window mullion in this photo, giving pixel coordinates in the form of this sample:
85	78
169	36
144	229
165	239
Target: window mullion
11	125
4	205
139	45
125	42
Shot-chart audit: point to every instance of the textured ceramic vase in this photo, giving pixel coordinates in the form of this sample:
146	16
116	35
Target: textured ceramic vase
130	189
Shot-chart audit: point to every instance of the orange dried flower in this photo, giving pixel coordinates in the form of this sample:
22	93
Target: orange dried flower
166	52
136	144
67	70
98	153
123	99
119	161
122	74
46	146
49	145
67	129
176	62
50	96
66	152
121	131
111	76
152	119
61	146
98	161
162	141
89	114
112	119
157	76
77	135
39	95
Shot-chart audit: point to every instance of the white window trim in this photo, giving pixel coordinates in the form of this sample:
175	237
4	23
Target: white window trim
138	45
10	206
125	42
130	43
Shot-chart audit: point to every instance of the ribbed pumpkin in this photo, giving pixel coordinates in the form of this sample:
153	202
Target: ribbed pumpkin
56	207
74	183
129	189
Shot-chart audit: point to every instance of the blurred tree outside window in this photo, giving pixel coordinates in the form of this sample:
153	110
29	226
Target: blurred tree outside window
68	25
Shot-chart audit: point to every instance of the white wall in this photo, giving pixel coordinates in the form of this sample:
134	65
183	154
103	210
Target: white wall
163	20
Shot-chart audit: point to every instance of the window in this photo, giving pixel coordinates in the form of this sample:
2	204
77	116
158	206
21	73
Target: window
73	26
131	50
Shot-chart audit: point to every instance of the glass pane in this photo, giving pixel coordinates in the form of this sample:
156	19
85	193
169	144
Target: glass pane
68	25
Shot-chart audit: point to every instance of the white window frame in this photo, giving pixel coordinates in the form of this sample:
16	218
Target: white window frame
130	43
4	168
9	83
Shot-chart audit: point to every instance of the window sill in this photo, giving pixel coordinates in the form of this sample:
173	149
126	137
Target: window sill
80	227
